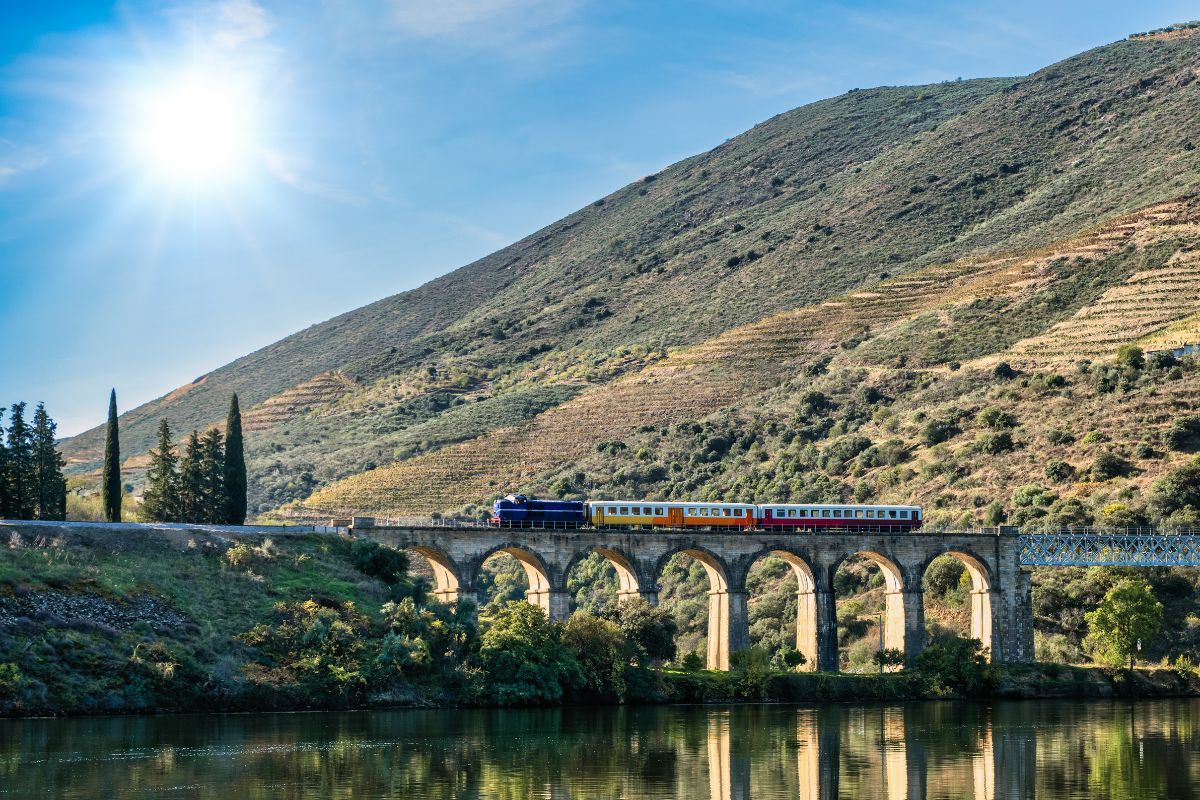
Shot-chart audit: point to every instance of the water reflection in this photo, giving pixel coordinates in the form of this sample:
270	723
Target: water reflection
946	750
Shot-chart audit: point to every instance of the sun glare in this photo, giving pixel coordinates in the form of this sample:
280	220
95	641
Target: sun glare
196	130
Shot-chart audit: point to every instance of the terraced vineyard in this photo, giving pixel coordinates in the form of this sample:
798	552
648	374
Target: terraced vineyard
733	369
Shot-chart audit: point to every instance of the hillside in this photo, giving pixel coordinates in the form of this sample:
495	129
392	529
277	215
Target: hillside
863	247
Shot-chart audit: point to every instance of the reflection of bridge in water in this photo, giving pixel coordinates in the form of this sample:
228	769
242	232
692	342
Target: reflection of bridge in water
882	752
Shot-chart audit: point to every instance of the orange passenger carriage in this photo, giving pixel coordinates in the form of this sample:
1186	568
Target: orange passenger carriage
659	514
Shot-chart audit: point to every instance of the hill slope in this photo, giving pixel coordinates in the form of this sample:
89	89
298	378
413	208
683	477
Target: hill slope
950	222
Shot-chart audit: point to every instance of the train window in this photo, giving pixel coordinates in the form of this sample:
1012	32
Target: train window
798	513
904	513
871	514
658	512
837	513
891	513
691	512
612	509
624	511
858	515
725	512
704	512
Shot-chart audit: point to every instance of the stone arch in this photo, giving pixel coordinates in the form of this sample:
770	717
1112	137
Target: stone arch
541	590
447	582
806	601
982	591
629	583
903	617
728	624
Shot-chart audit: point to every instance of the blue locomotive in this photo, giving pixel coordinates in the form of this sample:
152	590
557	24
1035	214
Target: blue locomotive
518	510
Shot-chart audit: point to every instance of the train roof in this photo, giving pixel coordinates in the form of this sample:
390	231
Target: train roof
834	505
669	503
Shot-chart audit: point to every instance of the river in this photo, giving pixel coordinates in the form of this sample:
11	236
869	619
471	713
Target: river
1060	750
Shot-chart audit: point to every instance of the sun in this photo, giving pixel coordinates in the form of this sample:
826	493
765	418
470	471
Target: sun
195	130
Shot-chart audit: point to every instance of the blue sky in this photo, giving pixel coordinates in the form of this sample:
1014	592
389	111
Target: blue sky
385	142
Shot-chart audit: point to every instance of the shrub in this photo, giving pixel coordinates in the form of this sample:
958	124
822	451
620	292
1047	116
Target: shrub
1183	434
994	443
1109	465
888	658
312	650
1060	436
1004	371
522	654
1130	355
1093	437
955	665
1177	490
996	418
937	431
384	563
1060	471
11	681
692	662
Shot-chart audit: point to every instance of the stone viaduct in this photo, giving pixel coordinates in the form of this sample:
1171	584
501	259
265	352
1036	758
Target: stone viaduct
1001	612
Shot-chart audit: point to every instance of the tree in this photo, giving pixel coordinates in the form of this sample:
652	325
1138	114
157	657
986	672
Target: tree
191	481
212	468
235	467
110	482
1128	614
888	659
6	504
953	664
523	656
160	502
602	651
1178	490
50	487
21	474
651	629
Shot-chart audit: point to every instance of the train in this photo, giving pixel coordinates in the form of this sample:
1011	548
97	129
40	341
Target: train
522	511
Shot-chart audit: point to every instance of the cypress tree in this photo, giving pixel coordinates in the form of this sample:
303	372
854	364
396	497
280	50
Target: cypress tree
48	463
235	467
110	483
160	502
21	474
212	470
191	481
6	510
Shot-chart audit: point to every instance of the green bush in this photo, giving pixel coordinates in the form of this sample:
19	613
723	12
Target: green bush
385	563
994	443
955	666
937	431
1183	434
523	657
602	652
1060	471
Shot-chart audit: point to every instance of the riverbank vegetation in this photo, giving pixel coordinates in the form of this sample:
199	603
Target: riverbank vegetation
174	620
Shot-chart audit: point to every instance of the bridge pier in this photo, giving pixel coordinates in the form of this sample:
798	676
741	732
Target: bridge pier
911	627
728	626
827	631
556	604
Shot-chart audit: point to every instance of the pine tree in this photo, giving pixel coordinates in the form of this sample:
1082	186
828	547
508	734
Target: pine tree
235	467
160	502
50	485
110	483
21	476
212	468
6	510
191	481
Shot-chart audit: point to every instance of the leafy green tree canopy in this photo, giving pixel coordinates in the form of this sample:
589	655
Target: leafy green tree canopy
523	653
1129	614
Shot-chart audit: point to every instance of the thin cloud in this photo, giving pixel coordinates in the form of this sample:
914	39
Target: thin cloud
295	173
240	22
484	23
